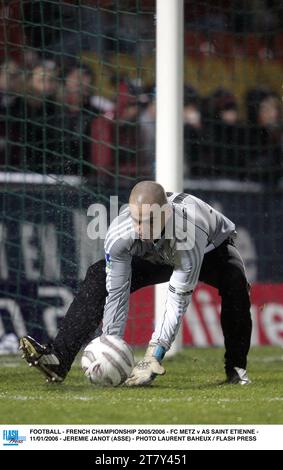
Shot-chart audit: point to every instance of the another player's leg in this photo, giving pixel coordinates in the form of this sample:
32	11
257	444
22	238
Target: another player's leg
84	317
223	268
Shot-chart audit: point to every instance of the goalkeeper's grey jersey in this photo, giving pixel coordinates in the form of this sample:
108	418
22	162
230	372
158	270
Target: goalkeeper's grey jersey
205	229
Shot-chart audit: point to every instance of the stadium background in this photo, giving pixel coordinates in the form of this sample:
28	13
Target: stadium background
77	124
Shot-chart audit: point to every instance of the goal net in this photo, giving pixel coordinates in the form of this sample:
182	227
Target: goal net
77	125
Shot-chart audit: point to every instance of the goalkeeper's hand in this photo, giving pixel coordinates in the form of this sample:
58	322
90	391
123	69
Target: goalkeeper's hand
148	368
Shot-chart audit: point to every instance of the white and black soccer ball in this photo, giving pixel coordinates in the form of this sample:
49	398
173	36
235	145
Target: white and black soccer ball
107	360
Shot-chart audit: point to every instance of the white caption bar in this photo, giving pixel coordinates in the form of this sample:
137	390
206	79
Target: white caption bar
135	437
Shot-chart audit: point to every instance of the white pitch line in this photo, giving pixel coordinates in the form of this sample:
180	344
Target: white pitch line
9	364
267	360
4	396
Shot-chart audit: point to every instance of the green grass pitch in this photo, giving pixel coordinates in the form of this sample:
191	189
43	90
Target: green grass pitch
189	393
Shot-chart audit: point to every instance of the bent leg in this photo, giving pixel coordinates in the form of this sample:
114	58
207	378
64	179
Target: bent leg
83	316
223	268
86	311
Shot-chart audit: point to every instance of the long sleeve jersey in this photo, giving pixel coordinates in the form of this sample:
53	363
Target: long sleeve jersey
205	229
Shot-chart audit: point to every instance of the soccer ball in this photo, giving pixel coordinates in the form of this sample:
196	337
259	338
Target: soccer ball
107	360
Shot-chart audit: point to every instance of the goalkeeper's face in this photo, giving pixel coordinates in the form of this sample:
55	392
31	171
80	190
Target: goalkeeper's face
149	220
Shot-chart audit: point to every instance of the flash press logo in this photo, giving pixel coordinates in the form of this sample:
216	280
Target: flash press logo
11	437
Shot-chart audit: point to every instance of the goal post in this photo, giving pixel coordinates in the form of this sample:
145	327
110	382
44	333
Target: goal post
169	113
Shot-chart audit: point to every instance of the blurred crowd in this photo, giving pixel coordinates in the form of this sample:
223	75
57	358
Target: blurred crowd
218	144
53	122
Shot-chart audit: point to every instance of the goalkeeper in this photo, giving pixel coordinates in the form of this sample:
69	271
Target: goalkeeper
159	237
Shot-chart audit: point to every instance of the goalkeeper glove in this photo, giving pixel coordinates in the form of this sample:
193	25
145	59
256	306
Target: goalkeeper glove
149	367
